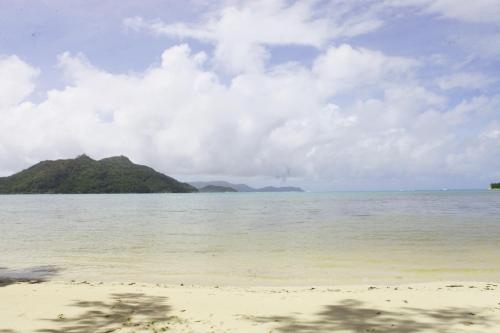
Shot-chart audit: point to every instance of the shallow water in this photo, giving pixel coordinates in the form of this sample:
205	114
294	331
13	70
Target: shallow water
256	238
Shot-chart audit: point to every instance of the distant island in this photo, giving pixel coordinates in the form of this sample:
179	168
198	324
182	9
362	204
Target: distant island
216	189
244	187
86	175
495	186
111	175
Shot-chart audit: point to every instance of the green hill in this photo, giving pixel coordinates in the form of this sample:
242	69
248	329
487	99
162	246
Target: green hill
495	186
244	187
85	175
215	189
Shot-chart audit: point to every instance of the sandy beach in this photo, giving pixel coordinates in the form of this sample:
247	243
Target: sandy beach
81	306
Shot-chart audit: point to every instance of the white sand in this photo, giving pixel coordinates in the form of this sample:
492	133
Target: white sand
94	308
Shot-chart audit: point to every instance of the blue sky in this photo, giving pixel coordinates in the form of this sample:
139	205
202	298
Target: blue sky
328	95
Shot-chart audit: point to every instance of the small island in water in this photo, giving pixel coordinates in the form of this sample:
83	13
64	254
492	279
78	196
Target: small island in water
223	186
495	186
216	189
110	175
86	175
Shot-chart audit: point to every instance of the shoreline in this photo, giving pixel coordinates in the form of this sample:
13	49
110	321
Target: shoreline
82	306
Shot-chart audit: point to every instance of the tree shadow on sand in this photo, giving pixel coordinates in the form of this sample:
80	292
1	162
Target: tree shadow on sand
352	316
126	312
37	274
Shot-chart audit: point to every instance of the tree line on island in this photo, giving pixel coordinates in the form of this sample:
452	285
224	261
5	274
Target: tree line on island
223	186
109	175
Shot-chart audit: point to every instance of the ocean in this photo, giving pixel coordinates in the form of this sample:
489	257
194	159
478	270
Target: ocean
255	239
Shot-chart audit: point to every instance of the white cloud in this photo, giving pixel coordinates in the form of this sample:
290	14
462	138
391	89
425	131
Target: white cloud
241	32
481	11
344	68
479	109
179	30
181	118
465	81
340	114
16	80
477	11
481	158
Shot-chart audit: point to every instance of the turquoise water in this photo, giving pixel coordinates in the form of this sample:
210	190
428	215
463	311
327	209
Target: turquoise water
256	238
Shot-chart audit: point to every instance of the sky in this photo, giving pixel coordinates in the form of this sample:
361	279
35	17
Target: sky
327	95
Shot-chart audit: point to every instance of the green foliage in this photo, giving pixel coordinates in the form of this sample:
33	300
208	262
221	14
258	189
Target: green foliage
85	175
495	186
216	188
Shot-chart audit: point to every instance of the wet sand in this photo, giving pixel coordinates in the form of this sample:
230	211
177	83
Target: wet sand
96	307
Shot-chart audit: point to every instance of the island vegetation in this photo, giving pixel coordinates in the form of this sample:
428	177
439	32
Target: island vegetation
495	186
111	175
86	175
244	188
216	189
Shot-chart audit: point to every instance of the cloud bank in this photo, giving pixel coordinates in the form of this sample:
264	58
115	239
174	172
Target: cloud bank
352	115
